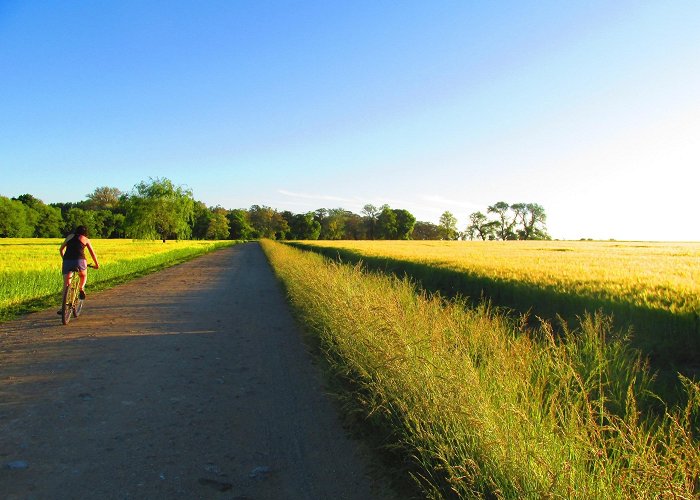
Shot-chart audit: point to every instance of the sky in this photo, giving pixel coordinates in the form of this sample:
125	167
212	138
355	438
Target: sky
591	109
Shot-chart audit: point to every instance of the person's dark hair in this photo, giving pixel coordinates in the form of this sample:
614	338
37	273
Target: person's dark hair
81	230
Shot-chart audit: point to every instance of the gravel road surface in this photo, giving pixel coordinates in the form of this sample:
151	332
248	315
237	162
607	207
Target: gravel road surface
190	383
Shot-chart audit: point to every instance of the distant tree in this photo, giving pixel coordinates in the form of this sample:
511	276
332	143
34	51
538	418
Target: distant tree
14	219
103	198
219	228
448	226
239	225
405	223
506	221
49	222
45	220
532	219
160	209
481	227
201	217
304	227
333	224
79	217
355	227
425	231
371	213
267	222
387	226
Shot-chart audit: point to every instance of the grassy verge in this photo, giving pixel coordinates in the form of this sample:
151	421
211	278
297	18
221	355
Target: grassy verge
485	408
23	291
670	337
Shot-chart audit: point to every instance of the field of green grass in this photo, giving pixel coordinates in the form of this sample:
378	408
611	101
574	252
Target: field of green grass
474	405
654	288
30	268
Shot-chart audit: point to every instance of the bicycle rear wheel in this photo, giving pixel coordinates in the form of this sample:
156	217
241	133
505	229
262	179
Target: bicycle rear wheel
67	303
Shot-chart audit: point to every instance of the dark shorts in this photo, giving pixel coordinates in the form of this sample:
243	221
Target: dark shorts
70	265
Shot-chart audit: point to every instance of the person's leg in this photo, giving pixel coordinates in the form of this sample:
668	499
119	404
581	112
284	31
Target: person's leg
66	279
83	279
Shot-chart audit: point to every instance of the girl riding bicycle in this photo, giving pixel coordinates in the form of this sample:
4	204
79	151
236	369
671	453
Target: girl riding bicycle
73	253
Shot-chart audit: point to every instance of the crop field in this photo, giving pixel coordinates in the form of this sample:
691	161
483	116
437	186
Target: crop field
478	405
30	268
654	288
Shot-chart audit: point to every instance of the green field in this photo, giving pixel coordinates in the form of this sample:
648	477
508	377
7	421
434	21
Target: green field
30	268
654	288
470	403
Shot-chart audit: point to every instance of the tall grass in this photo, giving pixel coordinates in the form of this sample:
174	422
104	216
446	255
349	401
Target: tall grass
486	408
653	287
30	269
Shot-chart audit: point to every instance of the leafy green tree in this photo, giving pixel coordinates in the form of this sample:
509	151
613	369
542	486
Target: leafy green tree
448	226
160	209
425	231
333	225
219	228
371	213
79	217
14	219
49	223
532	219
304	227
239	225
506	221
387	225
480	226
405	222
201	217
267	222
355	227
103	198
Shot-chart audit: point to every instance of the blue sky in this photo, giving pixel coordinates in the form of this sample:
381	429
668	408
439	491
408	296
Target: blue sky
591	109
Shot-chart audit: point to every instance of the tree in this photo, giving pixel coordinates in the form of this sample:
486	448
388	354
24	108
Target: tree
267	222
219	228
505	221
532	218
371	213
425	231
405	222
160	209
448	226
103	198
355	227
239	225
480	226
304	227
49	223
333	224
387	225
201	217
14	219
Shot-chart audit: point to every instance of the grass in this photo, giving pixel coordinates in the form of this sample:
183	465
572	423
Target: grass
652	287
30	268
485	408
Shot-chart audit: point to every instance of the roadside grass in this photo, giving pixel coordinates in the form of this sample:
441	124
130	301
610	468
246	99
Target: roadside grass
485	407
30	268
652	288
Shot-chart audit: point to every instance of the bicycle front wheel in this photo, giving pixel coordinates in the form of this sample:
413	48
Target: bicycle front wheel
67	304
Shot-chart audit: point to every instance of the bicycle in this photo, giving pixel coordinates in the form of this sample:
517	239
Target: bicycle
72	304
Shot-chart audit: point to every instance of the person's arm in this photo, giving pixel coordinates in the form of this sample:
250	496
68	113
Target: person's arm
92	254
62	250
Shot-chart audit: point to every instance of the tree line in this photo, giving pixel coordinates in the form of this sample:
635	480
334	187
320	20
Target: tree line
159	209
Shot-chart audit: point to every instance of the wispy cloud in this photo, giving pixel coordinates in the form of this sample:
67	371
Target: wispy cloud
446	201
321	197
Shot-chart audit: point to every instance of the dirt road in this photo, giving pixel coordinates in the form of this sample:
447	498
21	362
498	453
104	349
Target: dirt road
189	383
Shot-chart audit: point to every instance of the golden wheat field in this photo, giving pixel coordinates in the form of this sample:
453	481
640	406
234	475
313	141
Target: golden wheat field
30	268
649	274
